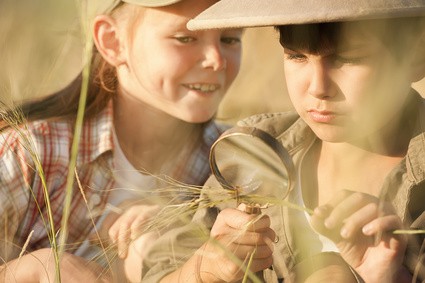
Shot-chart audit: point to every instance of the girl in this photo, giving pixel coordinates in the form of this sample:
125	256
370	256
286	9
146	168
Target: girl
154	89
356	139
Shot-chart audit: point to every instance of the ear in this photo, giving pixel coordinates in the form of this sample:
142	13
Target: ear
418	62
108	40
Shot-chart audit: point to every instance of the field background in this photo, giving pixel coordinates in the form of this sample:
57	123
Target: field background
260	85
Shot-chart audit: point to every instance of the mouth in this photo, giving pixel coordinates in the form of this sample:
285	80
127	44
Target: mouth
203	87
322	116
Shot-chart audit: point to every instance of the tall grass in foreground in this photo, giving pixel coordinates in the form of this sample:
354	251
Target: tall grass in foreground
45	35
15	85
87	54
17	123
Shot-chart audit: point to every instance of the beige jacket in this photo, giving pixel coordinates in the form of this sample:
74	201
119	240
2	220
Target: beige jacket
404	187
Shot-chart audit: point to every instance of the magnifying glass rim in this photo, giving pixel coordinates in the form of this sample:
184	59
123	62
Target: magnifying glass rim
265	137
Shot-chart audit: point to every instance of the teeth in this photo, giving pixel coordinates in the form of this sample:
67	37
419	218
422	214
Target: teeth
203	87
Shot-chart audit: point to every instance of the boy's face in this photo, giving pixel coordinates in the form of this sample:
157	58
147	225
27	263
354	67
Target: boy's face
180	72
350	93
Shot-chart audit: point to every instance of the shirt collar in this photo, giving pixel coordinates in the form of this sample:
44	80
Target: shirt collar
415	158
96	136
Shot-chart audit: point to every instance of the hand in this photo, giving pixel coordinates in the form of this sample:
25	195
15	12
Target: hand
132	264
236	235
129	226
361	225
39	266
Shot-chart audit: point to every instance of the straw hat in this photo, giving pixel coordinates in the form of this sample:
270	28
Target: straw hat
151	3
102	6
250	13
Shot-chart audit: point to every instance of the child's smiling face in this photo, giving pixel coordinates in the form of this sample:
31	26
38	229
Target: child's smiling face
351	91
180	72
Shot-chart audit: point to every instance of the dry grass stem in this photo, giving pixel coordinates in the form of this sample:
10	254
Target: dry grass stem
16	120
24	248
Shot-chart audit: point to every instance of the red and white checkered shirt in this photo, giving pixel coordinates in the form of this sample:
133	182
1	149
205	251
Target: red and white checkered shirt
22	197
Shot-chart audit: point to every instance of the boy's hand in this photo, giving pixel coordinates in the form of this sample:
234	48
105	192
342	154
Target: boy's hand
362	227
236	234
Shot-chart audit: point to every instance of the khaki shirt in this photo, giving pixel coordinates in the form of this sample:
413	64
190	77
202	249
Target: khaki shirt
404	187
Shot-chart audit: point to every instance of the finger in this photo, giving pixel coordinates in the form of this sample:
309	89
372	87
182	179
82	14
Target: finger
143	214
123	240
225	246
122	223
322	211
354	223
346	207
383	224
239	237
142	243
383	227
109	221
240	220
136	230
261	264
318	218
339	196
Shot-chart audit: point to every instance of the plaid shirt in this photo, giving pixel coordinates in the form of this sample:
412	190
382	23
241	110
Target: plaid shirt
23	208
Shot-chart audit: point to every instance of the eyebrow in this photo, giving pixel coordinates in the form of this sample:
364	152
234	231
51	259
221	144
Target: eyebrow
349	48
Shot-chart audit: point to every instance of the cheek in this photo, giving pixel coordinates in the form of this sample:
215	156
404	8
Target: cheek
233	61
231	74
375	93
297	89
296	78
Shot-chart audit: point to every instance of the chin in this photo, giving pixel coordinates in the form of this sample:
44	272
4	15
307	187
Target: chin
198	119
330	135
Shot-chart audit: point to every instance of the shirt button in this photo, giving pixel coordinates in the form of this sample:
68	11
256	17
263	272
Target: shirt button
94	200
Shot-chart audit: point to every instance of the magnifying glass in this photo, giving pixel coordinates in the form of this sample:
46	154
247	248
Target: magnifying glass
254	166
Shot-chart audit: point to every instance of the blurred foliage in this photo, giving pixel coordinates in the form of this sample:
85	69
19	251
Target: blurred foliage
40	47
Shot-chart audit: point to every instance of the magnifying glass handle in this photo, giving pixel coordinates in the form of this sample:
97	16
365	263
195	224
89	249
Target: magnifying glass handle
247	208
252	209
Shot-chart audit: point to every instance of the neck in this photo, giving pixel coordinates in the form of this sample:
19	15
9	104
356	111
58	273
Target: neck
360	165
347	166
149	137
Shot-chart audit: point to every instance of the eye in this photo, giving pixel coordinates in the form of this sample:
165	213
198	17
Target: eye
350	59
344	60
231	40
185	39
295	57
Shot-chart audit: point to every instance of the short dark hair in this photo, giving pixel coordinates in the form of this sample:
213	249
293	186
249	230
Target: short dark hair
396	33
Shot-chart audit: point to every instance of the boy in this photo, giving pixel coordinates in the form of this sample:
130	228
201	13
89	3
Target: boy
357	141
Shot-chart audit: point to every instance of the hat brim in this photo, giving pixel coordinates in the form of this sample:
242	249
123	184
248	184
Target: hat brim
255	13
152	3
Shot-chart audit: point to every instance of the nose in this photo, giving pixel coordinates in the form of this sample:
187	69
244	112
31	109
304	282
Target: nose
320	81
214	57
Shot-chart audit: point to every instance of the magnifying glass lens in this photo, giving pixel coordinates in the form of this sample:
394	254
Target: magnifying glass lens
255	165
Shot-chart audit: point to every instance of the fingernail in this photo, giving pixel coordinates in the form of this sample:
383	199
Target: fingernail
269	243
318	211
328	224
366	229
344	233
